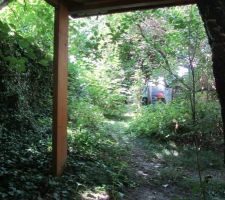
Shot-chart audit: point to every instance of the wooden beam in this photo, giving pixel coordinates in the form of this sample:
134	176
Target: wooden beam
60	89
89	8
53	3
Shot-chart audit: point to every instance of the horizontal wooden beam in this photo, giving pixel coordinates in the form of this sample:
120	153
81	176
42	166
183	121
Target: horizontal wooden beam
53	3
89	8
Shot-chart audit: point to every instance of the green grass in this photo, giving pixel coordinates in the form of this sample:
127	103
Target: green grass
180	168
181	156
94	161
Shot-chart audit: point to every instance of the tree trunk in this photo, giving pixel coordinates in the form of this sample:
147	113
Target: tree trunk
213	16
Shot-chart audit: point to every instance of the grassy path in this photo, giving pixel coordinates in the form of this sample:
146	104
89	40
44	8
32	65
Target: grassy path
143	170
98	169
163	171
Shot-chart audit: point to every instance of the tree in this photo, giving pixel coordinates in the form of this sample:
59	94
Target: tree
33	20
213	14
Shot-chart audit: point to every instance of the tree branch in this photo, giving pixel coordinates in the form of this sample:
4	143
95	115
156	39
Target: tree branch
167	66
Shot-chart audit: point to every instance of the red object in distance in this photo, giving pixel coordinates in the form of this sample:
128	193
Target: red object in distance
160	95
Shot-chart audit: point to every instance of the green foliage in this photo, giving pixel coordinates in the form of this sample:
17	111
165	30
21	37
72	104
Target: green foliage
109	57
109	101
86	115
178	168
174	122
94	160
95	95
21	15
214	189
23	68
159	120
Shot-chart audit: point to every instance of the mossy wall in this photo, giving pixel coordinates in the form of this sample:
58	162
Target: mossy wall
25	82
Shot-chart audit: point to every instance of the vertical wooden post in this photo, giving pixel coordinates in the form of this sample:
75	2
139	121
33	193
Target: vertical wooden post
60	89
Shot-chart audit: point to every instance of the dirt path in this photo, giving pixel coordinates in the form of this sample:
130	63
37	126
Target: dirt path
143	170
155	177
146	173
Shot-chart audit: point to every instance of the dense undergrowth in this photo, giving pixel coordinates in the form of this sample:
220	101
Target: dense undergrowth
191	154
94	161
94	158
25	102
109	57
173	122
178	168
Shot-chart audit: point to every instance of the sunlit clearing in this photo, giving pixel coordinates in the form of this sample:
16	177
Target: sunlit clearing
111	121
98	193
168	153
182	71
175	153
72	59
159	155
130	114
173	144
126	125
140	172
69	131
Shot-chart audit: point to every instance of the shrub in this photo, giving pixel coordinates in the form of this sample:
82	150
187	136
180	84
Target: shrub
160	120
174	122
111	102
24	99
209	124
85	115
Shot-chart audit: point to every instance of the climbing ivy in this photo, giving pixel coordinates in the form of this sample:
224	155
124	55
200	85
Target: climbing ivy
26	81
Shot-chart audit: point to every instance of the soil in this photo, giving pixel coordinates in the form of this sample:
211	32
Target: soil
144	171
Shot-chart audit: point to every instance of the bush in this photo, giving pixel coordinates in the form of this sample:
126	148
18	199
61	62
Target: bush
174	122
209	122
24	99
85	115
97	94
111	102
160	120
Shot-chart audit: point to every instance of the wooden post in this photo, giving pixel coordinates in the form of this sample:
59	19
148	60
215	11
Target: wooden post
60	89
